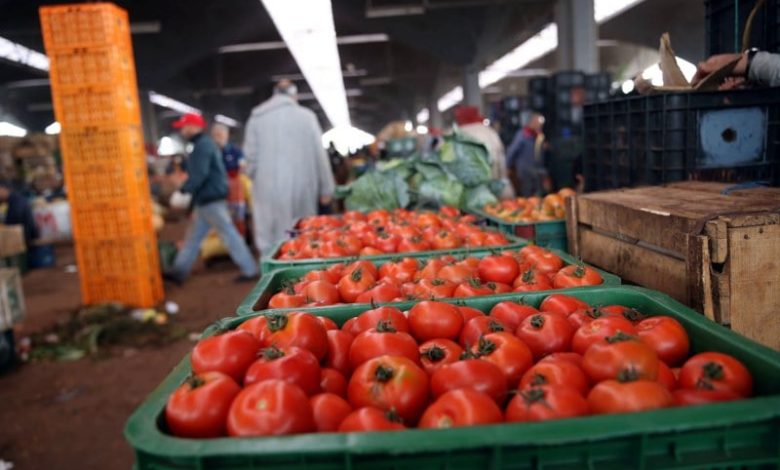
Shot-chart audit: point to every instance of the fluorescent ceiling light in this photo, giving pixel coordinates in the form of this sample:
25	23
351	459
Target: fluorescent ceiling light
421	129
538	45
423	116
222	119
298	76
450	99
627	86
53	128
145	27
654	74
408	126
168	146
310	96
347	138
14	52
274	45
389	11
170	103
311	38
8	129
362	39
604	10
376	81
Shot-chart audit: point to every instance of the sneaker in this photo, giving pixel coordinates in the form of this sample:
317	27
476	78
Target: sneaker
174	277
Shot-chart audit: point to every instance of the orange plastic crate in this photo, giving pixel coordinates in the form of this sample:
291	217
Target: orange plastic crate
111	221
137	291
84	25
96	106
119	256
109	65
85	148
126	182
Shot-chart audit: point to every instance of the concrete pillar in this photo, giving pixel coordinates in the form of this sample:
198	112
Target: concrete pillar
472	95
577	36
434	116
148	118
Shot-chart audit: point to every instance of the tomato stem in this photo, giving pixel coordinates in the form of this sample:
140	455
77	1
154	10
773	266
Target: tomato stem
494	326
618	337
539	379
485	347
435	353
271	353
276	321
537	321
628	375
383	373
385	326
712	371
533	395
194	381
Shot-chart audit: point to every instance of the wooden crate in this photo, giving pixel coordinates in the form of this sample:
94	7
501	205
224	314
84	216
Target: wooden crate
718	253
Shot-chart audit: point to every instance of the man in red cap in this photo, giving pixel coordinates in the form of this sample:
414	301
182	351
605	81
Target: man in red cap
207	184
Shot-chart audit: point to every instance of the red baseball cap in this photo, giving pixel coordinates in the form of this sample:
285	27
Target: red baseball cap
191	119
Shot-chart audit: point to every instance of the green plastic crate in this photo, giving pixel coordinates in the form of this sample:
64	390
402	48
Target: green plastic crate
549	234
739	434
270	263
273	282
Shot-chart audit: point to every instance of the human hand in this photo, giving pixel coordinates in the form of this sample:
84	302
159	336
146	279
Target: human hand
717	61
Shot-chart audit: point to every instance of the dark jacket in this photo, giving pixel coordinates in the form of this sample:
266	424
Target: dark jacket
521	154
232	157
20	213
206	177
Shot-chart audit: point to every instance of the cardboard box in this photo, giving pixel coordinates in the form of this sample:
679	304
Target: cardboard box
12	308
11	240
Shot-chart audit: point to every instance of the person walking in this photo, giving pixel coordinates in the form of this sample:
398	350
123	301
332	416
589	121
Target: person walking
287	163
208	187
233	158
524	156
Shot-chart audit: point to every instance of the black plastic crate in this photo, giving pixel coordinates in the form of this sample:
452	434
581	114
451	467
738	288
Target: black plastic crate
538	85
598	81
731	136
568	79
725	22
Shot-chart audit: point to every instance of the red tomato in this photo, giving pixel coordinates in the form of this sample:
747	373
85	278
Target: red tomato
355	283
370	251
268	408
445	240
391	316
531	280
363	265
510	354
327	323
463	407
402	270
322	275
621	357
436	353
337	356
716	371
434	289
386	242
199	407
612	396
481	376
666	376
469	312
597	331
390	383
230	353
495	239
572	357
498	268
456	273
297	329
666	336
294	365
287	298
472	288
382	341
413	244
631	314
576	275
511	314
431	320
544	261
380	293
333	381
329	411
371	419
562	303
556	373
700	396
546	402
477	327
545	333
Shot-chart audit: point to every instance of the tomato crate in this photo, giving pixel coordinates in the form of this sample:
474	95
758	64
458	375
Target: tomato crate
111	220
737	434
81	67
549	233
84	148
103	105
270	263
84	25
273	282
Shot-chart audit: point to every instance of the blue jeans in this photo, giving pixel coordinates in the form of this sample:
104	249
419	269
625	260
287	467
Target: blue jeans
213	215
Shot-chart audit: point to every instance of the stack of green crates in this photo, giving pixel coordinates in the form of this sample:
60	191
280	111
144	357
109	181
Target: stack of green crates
549	234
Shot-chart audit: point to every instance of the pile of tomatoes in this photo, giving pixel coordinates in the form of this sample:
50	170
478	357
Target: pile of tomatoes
381	232
440	365
532	268
531	209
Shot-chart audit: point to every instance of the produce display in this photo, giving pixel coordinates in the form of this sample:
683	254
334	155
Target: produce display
381	232
440	365
530	268
531	209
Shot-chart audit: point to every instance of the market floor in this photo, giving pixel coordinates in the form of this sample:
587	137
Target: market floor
63	415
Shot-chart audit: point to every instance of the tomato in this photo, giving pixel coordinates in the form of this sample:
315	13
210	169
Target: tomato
478	327
294	365
371	419
495	239
327	323
621	357
546	402
445	240
431	320
382	292
510	354
561	303
390	383
666	376
556	373
199	407
382	341
287	298
332	249
271	407
498	268
511	314
544	261
436	353
329	411
584	316
612	396
322	275
700	396
463	407
597	330
631	314
576	275
498	287
545	333
386	242
435	288
370	251
572	357
355	283
371	318
716	371
413	244
456	273
230	353
469	312
337	357
472	288
482	376
333	381
531	280
402	270
449	211
298	329
430	269
666	336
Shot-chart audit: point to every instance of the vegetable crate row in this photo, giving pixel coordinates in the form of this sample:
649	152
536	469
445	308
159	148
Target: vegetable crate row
465	422
476	274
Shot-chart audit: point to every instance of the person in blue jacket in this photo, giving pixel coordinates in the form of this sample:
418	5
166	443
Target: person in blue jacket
207	183
524	156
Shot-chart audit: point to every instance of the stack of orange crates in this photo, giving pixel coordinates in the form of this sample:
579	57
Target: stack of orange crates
95	96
